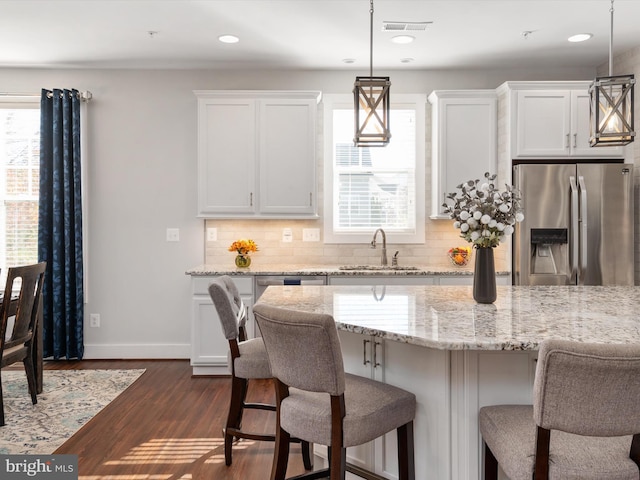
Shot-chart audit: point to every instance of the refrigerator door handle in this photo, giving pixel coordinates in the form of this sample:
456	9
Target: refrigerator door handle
574	229
583	224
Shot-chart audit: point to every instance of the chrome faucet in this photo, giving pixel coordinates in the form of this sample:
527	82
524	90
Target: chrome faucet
383	258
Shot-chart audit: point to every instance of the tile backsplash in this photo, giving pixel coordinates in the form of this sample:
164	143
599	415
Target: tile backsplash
440	236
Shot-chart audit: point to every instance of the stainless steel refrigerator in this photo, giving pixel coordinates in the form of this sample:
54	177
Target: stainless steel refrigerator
578	226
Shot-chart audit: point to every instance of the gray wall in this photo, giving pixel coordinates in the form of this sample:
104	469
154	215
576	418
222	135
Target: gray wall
142	180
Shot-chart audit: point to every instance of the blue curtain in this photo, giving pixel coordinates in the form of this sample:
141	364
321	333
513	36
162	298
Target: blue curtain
60	224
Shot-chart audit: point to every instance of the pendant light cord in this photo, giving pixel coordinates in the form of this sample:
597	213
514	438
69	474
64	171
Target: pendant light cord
611	42
371	39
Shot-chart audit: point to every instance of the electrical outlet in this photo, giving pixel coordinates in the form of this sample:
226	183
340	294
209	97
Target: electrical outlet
94	320
287	235
310	234
173	234
212	234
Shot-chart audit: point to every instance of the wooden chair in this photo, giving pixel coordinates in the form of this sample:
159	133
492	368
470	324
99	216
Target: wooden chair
19	344
584	422
324	405
248	360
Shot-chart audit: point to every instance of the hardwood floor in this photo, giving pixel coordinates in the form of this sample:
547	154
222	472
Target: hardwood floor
168	426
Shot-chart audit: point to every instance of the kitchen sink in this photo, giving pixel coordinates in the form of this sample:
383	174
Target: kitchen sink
375	267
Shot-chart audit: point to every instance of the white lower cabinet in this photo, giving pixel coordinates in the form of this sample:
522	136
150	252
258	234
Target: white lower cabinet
419	370
480	378
209	347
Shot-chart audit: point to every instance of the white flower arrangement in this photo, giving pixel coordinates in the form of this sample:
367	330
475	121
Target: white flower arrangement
483	214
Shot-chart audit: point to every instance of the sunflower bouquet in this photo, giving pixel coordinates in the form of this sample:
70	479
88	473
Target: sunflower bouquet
243	246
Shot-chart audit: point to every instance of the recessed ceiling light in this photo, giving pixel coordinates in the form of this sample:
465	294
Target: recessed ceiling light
228	39
403	39
581	37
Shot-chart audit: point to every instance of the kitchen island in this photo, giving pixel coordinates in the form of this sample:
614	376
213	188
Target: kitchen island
209	347
456	355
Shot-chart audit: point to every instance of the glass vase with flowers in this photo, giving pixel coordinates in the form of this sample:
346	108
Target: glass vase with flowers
243	248
485	216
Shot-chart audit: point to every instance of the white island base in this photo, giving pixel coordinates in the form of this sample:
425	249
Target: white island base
450	388
455	355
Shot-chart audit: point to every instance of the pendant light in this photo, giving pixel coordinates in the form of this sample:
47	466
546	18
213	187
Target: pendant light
611	106
371	104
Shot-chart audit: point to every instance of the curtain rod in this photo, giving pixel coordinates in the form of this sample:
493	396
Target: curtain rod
13	94
85	96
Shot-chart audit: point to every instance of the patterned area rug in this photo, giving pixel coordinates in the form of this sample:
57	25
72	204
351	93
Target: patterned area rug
70	398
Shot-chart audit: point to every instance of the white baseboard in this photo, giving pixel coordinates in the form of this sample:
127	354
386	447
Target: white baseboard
209	371
110	352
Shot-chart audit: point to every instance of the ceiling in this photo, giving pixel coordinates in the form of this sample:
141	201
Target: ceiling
310	34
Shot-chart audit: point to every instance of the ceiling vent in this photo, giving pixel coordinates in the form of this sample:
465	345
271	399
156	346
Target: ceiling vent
405	26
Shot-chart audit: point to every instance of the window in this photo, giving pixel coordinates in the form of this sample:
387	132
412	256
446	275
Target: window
374	187
19	182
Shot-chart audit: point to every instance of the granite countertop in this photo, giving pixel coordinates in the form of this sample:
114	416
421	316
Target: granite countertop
420	270
447	317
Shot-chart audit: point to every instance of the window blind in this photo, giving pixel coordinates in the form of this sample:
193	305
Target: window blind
19	185
374	186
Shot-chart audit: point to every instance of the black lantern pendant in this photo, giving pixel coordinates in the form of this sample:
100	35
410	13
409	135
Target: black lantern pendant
371	104
611	106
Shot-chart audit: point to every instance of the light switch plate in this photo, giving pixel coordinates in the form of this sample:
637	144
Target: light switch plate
310	234
173	234
287	235
212	234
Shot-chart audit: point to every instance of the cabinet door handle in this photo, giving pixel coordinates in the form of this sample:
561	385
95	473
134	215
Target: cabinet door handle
566	145
251	199
575	140
311	199
364	352
375	354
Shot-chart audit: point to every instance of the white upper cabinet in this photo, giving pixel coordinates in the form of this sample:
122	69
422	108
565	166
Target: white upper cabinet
464	140
227	150
287	156
256	154
551	120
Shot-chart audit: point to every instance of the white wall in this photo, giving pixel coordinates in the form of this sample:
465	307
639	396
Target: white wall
629	62
142	180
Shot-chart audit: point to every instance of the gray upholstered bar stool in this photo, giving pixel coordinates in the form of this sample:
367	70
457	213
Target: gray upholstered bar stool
324	405
584	422
248	360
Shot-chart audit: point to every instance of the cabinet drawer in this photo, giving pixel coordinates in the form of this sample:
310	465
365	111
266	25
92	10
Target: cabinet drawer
200	285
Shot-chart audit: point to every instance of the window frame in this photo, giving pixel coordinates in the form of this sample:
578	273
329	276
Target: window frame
417	102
